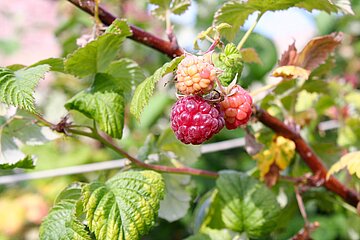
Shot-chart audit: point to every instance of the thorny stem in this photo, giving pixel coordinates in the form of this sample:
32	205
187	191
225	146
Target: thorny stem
168	48
248	32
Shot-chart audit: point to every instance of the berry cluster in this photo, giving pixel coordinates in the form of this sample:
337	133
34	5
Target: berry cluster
195	119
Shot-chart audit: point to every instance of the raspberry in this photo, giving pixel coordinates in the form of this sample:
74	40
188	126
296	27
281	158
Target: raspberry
194	120
195	75
236	107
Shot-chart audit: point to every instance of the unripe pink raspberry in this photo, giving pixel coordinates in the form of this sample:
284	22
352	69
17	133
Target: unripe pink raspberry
194	120
195	75
236	107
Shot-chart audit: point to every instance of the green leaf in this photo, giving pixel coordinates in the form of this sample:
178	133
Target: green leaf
176	202
61	223
17	87
95	56
174	6
145	90
127	74
230	61
329	6
199	236
125	207
103	102
56	64
120	27
246	204
235	13
187	154
14	133
179	6
350	161
27	163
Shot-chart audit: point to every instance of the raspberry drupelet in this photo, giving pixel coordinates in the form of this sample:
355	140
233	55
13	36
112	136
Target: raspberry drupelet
195	75
236	107
194	120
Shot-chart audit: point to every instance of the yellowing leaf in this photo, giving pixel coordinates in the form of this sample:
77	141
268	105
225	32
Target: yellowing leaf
281	152
291	72
250	55
351	161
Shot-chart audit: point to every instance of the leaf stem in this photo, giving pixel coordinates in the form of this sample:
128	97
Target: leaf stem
248	32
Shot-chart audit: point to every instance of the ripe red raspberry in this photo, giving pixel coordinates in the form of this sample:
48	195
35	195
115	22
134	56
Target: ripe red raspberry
236	107
194	120
195	75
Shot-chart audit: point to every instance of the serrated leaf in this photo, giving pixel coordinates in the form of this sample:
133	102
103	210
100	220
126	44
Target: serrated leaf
317	51
119	27
62	223
329	6
127	74
145	90
230	62
236	12
179	6
350	161
313	54
291	72
103	102
280	152
246	204
17	87
14	134
95	56
27	163
125	207
56	64
175	6
176	202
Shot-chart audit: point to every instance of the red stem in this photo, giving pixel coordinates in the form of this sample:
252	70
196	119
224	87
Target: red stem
304	150
309	157
139	35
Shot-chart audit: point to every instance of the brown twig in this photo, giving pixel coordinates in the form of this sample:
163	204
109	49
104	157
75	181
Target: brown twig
304	150
139	35
309	157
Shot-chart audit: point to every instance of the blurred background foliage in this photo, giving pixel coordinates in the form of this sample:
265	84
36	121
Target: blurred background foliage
24	204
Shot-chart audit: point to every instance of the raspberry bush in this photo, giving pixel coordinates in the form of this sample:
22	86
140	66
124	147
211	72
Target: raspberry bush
221	140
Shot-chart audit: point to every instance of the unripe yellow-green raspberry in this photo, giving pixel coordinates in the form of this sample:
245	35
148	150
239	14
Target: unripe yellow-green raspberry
195	75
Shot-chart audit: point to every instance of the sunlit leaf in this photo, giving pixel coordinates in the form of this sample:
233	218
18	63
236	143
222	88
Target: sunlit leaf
280	152
124	207
246	205
103	102
291	72
17	87
145	90
62	222
350	161
13	135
